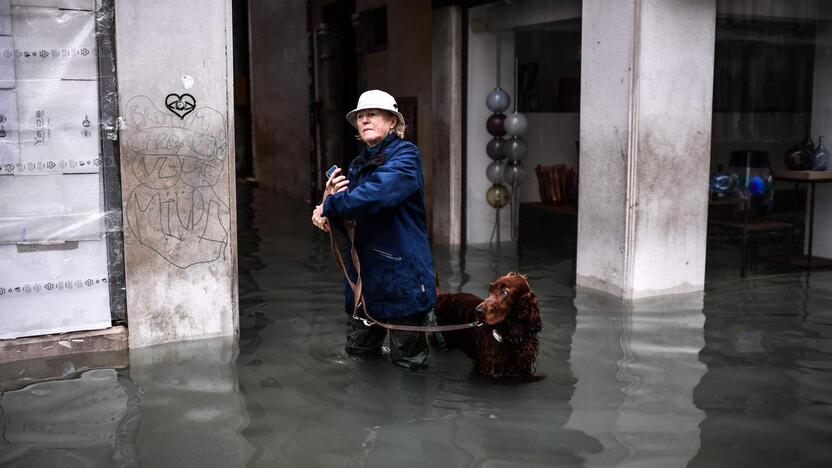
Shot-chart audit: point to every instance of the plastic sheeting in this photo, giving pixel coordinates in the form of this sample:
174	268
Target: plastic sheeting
60	209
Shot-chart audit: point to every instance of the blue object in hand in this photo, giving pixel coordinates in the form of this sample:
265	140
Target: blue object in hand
330	171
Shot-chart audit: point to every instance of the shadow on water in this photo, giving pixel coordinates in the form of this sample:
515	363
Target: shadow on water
739	376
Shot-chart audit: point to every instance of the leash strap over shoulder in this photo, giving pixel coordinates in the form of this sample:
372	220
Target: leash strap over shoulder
358	294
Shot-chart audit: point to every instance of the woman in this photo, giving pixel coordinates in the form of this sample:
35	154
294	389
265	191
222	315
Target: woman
383	192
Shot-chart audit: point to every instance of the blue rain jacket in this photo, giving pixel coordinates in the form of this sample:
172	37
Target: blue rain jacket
385	198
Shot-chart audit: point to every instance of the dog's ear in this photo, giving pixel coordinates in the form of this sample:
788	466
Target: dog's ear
528	310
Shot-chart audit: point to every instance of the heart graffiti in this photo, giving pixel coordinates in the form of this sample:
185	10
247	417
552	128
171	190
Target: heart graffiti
181	105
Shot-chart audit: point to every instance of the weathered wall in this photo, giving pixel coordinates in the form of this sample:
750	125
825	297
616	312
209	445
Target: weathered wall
404	70
175	94
607	39
280	95
646	100
447	125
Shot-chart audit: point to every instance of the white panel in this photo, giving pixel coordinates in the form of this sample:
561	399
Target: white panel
53	291
5	18
9	138
50	208
67	4
51	43
6	61
58	126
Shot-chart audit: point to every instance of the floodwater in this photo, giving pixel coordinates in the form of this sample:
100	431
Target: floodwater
739	376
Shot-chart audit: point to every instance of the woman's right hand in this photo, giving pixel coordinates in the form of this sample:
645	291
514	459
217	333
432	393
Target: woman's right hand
319	220
336	183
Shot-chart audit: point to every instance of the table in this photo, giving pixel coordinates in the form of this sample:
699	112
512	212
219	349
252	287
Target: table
811	178
748	225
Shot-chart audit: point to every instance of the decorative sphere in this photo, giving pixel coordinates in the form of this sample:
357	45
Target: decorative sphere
495	125
798	159
497	196
516	174
516	124
516	149
494	148
757	186
497	100
496	172
721	183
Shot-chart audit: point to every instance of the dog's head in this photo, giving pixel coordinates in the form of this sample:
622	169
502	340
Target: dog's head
512	313
509	298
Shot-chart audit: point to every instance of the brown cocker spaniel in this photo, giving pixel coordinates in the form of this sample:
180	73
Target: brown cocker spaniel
505	346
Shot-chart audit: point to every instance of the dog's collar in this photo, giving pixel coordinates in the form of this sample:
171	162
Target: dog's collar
497	336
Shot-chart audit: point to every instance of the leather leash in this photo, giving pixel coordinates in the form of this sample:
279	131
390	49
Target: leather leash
358	294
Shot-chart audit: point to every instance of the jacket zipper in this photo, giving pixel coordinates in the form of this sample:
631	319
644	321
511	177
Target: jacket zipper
388	255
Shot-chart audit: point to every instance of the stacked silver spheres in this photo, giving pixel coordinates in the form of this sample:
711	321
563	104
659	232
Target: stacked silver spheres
506	154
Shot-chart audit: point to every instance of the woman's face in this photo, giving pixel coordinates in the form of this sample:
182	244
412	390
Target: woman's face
373	125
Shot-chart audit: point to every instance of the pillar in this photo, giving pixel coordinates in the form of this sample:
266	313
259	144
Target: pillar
175	85
645	139
447	125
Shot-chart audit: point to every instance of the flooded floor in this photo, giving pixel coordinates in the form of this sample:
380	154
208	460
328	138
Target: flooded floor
739	376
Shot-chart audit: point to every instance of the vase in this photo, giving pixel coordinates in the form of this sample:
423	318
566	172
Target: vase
821	156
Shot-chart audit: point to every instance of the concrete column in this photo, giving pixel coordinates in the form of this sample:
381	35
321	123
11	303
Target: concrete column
646	99
175	85
447	127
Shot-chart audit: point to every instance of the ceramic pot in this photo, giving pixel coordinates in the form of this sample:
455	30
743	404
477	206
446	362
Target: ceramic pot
797	158
821	157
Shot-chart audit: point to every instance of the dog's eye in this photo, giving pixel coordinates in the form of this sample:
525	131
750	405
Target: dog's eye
504	292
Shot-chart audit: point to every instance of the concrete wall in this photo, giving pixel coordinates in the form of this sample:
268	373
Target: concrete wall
447	125
280	95
404	70
175	94
646	100
675	118
607	54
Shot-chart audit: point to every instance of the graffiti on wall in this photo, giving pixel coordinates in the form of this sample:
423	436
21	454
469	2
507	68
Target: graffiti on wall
176	159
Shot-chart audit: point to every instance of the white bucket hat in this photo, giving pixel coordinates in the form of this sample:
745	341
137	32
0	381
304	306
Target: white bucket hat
375	99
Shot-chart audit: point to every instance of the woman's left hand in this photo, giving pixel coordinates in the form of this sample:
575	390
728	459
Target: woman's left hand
336	183
319	220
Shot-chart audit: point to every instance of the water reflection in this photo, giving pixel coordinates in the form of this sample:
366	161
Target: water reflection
191	410
768	390
741	380
636	366
66	423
